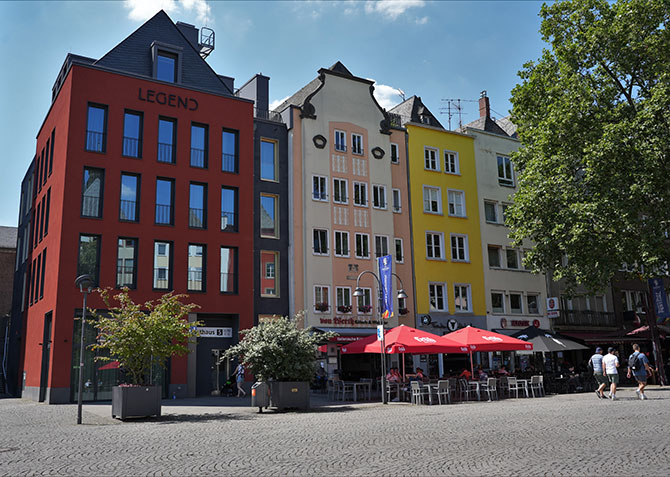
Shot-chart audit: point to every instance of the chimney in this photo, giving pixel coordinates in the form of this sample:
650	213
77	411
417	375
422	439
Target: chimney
257	89
190	32
484	107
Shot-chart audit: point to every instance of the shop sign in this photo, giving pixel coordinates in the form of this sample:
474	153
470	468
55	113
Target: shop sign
212	332
452	325
337	321
552	307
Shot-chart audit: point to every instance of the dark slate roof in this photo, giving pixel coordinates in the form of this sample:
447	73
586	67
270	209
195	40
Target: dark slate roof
484	124
340	69
8	237
414	110
133	55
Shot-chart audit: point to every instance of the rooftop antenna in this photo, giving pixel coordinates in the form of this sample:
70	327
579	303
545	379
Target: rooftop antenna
453	108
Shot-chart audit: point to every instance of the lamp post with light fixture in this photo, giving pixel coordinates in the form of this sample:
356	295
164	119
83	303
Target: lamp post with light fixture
85	283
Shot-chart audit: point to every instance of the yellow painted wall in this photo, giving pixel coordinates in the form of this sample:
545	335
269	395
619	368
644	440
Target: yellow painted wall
445	270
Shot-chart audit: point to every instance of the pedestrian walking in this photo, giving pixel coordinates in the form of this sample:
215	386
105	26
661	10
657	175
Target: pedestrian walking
239	378
638	365
596	364
610	369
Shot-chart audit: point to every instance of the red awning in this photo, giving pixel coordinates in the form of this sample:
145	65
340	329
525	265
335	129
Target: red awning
339	341
110	365
405	339
482	340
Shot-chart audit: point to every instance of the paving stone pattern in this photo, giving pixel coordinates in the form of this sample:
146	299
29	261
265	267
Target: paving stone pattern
556	435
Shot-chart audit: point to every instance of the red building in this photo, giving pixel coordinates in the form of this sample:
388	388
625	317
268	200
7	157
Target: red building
143	177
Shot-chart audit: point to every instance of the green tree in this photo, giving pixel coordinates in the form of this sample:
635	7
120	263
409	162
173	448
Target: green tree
140	336
594	123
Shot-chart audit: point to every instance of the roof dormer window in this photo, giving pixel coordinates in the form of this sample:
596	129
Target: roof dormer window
166	62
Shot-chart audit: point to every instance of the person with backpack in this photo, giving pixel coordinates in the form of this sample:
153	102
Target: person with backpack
638	365
610	365
596	365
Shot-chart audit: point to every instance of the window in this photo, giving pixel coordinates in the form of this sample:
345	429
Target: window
494	257
459	248
164	200
270	277
166	67
456	203
515	303
451	165
46	214
362	246
229	150
269	216
167	140
432	200
497	302
319	188
51	155
343	299
129	204
462	301
357	144
341	244
381	245
379	196
197	206
320	241
364	302
340	141
92	192
430	156
126	261
37	279
340	191
268	160
197	258
162	265
229	209
89	256
321	299
228	283
44	271
361	194
399	256
436	297
491	211
42	207
434	245
532	302
397	203
132	134
199	145
512	258
505	172
395	158
96	128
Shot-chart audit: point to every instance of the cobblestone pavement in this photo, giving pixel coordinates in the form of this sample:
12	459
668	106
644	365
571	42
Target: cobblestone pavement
557	435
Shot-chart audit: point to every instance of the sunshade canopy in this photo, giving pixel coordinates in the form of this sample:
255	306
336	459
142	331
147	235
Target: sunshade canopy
405	339
476	339
547	341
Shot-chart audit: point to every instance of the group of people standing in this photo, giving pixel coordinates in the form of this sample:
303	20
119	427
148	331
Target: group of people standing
606	371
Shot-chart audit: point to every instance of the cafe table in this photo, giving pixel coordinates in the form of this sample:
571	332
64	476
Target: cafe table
366	386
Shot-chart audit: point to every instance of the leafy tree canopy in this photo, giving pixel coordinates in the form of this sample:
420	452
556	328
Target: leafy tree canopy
593	117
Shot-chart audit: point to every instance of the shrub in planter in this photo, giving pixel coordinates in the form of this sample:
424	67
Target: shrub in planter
322	307
365	308
138	337
344	308
403	311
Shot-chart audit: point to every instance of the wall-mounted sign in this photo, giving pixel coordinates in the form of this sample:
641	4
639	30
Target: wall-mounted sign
552	307
172	100
452	325
212	332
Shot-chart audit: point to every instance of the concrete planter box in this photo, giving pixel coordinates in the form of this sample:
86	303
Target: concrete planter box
136	401
289	394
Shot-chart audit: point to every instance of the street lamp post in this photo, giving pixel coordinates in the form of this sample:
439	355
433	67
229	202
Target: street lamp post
85	283
401	294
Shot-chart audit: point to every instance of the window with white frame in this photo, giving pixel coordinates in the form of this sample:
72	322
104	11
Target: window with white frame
434	245
361	194
512	256
343	299
321	298
341	244
399	255
532	302
494	256
379	196
356	144
340	191
462	300
459	248
432	200
430	156
319	188
451	165
456	203
320	241
365	301
340	141
397	202
505	171
515	305
381	245
632	300
395	158
491	211
362	246
497	302
436	296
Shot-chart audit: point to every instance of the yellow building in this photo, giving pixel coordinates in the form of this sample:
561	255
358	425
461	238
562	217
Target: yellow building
447	250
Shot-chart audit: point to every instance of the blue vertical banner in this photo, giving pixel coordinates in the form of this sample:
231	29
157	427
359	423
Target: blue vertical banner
660	299
385	264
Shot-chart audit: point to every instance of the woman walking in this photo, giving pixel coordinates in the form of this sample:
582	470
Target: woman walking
239	377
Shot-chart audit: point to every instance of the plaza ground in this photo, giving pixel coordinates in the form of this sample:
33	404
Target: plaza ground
574	434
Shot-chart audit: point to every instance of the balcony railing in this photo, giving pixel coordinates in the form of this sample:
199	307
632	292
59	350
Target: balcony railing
165	153
161	278
163	214
90	206
128	210
196	218
228	282
198	157
131	147
585	318
269	115
125	276
95	141
340	147
229	221
228	162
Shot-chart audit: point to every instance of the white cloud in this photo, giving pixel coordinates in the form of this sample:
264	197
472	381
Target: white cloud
388	96
392	9
421	21
141	10
277	102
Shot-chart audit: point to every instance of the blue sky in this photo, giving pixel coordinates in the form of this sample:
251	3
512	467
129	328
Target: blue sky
436	50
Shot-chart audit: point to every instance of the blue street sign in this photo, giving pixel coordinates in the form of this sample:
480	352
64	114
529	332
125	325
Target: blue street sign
660	299
385	264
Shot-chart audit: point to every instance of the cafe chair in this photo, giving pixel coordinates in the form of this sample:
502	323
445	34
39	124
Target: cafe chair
514	385
491	388
418	392
346	388
466	390
443	391
536	385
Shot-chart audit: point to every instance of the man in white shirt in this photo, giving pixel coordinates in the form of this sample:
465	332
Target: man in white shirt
610	365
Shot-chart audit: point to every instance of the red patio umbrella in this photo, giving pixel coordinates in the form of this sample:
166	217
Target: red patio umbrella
405	339
110	365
